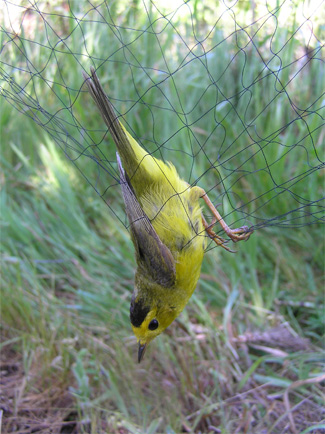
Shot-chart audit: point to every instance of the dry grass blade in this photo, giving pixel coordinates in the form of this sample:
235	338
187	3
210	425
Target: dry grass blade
294	385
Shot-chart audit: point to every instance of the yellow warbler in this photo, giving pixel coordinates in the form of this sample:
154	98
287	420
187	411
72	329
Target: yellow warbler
167	228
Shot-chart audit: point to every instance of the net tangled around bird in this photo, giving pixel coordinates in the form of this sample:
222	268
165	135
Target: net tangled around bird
231	95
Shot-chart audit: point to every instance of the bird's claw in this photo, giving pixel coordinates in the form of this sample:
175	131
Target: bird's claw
239	234
221	242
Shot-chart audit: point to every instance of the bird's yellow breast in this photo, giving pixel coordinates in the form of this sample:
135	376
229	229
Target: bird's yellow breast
174	211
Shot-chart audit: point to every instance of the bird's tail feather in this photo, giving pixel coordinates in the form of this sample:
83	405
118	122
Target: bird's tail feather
120	136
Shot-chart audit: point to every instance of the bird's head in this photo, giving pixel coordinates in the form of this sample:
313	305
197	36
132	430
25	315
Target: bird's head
149	320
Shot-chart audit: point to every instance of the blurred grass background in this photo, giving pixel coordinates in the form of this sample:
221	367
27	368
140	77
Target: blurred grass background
246	354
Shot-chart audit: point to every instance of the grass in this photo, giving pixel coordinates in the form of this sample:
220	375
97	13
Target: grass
246	354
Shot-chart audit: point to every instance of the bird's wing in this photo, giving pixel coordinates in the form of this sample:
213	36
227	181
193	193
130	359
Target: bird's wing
153	257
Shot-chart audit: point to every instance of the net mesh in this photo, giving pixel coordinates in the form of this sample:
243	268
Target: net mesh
229	92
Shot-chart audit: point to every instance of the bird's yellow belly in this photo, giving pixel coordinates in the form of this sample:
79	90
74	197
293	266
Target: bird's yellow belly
179	224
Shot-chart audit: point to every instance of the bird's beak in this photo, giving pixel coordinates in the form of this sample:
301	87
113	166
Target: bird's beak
141	351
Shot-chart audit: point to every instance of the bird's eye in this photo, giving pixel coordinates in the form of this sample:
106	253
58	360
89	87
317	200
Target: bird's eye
153	324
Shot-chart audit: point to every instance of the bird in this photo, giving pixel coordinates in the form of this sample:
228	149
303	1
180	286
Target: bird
167	227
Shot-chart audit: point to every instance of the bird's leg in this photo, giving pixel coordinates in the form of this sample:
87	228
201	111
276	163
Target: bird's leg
215	237
235	235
